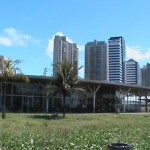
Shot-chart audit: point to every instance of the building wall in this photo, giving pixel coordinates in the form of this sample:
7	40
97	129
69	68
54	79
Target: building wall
145	73
116	59
32	97
132	72
96	60
1	59
63	50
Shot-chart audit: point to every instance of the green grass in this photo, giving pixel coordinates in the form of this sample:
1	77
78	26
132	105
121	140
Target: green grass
75	131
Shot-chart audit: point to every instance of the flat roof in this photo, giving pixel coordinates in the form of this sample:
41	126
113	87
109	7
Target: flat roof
134	87
105	84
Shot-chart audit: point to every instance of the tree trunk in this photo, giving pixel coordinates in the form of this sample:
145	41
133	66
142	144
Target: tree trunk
4	103
64	103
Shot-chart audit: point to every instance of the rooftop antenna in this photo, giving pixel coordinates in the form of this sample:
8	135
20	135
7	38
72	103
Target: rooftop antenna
45	71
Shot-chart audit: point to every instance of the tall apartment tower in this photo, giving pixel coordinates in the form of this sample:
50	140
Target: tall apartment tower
116	59
132	72
63	50
96	60
145	75
1	67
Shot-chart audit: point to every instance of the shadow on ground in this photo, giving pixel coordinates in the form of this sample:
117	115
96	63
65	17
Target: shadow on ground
48	117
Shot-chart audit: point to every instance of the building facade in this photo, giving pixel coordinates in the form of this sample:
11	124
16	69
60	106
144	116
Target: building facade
1	60
145	74
63	50
96	60
33	98
116	59
132	72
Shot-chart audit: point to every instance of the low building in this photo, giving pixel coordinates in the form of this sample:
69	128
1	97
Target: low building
100	96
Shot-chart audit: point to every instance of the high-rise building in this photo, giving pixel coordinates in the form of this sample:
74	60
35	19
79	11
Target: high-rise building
132	72
116	59
1	60
96	60
145	75
63	50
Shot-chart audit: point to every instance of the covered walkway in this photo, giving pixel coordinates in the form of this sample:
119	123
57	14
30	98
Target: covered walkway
100	96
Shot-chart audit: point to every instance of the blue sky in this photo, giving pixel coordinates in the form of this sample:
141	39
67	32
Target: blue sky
27	28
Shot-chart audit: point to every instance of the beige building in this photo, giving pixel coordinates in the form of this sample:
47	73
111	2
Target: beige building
96	60
145	73
1	59
132	72
64	50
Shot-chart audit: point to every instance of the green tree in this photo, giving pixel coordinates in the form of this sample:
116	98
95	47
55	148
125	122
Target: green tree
8	73
65	79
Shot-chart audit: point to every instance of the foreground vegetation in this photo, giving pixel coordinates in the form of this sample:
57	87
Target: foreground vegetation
75	131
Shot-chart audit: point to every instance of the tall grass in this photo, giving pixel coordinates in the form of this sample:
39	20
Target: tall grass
75	131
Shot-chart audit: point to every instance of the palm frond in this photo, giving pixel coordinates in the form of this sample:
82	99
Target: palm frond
9	69
65	75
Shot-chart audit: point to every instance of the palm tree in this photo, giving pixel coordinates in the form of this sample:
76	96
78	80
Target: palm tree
65	78
8	74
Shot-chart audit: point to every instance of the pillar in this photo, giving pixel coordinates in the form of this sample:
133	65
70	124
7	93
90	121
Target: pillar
94	91
12	95
47	102
124	93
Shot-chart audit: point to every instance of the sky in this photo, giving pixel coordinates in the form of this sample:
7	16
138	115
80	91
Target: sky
28	27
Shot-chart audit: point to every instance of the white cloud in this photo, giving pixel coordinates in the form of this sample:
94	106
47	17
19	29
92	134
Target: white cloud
137	53
11	37
147	54
49	49
81	48
61	34
133	52
5	41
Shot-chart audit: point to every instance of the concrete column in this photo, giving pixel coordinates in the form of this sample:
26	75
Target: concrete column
94	91
47	102
22	102
124	93
22	96
146	104
27	104
33	96
140	103
12	95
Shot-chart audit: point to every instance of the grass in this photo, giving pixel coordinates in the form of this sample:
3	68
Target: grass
74	132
